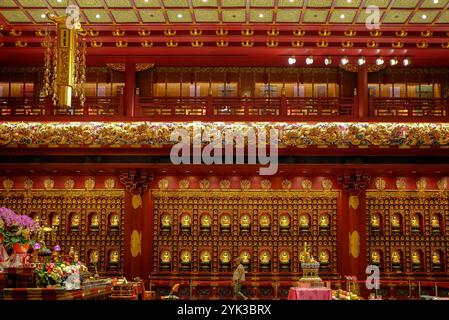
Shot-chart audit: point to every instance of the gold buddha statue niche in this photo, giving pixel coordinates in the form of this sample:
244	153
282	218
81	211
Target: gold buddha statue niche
265	261
396	223
114	223
415	223
205	260
186	223
324	223
265	223
436	261
93	260
76	257
225	261
75	222
165	222
246	259
375	222
114	258
165	261
416	260
206	223
396	260
284	223
54	221
225	223
376	258
436	229
94	223
323	259
186	260
304	223
245	223
284	261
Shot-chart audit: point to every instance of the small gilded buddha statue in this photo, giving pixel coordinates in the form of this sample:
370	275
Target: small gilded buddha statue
93	259
304	223
245	223
185	260
324	260
396	260
284	223
114	224
416	228
246	260
75	222
416	261
324	223
186	222
113	260
375	258
395	223
225	224
206	223
435	224
284	260
436	261
265	261
265	223
375	223
166	223
76	257
205	261
165	264
55	221
225	261
94	223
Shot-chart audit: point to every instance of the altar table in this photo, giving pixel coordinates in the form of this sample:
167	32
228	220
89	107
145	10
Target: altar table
309	294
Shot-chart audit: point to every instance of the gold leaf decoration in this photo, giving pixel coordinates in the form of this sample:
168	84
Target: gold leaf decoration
265	184
28	184
89	184
184	184
286	184
163	184
245	184
225	184
136	201
354	202
354	244
401	183
380	184
8	184
49	184
442	184
69	184
204	184
136	243
306	184
109	183
421	184
326	184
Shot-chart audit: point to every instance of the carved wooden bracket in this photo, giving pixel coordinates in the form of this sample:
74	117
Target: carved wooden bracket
354	184
136	182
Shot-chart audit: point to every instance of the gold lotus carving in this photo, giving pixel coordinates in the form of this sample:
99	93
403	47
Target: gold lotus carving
245	184
69	184
28	184
286	184
184	184
89	184
8	184
442	184
401	183
109	183
204	184
380	184
225	184
49	184
326	184
163	184
266	184
306	184
421	184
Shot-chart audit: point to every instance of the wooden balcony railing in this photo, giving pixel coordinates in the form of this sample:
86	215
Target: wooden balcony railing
320	106
409	107
173	106
23	106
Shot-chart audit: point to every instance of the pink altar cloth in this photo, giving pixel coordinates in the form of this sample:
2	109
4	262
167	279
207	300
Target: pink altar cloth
309	294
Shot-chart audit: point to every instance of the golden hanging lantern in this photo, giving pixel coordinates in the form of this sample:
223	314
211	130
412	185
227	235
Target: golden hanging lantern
65	62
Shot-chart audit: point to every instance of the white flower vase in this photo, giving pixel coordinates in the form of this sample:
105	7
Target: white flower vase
73	282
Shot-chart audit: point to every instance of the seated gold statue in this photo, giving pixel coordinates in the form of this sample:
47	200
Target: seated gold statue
55	221
75	222
94	223
375	258
165	222
375	222
225	261
416	260
206	223
114	225
436	261
246	258
225	223
264	260
396	260
435	224
284	223
185	261
415	223
205	261
324	257
245	223
93	259
304	223
395	223
114	258
265	223
186	223
76	257
165	260
324	223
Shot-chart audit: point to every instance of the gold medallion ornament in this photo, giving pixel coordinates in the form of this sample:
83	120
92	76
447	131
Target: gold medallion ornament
136	243
89	184
225	184
380	184
204	184
109	183
266	184
136	201
306	184
354	244
326	184
163	184
8	184
286	184
421	184
69	184
401	183
28	184
184	184
49	184
245	184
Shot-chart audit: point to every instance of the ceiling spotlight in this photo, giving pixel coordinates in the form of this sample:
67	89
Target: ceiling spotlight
342	16
328	61
291	60
59	1
361	61
424	16
43	16
97	16
309	60
393	61
261	15
436	1
344	61
380	61
406	62
179	15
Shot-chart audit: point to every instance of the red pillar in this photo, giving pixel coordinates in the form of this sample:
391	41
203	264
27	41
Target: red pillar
138	224
130	89
362	90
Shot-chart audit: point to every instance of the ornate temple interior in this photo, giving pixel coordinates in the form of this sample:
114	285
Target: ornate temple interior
352	109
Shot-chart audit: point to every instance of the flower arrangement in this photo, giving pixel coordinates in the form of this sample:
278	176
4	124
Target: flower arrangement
59	274
16	228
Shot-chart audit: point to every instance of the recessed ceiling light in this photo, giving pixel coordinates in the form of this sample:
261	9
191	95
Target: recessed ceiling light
424	16
145	0
43	16
361	61
309	60
348	1
204	1
328	61
97	16
261	15
179	15
380	61
406	62
291	60
393	61
344	61
436	1
342	16
59	1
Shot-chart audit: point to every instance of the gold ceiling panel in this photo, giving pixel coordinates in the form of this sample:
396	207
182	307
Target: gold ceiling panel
378	3
179	16
262	3
233	3
288	16
152	16
289	3
319	3
426	16
315	16
430	4
149	4
346	4
15	16
8	3
234	15
201	3
176	3
118	3
125	16
409	4
261	16
206	15
444	18
90	3
97	16
397	16
32	3
342	16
